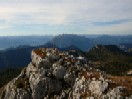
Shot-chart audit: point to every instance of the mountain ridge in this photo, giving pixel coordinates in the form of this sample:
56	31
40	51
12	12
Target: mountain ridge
110	59
54	74
79	42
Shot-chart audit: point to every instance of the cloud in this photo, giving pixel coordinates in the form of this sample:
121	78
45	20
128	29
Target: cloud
124	28
113	22
80	14
3	27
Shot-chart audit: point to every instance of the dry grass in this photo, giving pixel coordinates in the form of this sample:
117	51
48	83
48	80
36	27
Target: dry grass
125	81
40	53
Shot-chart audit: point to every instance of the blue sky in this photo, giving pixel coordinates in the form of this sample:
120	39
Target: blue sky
52	17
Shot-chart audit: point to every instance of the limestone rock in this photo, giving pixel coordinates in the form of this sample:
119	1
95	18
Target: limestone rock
59	72
98	87
53	74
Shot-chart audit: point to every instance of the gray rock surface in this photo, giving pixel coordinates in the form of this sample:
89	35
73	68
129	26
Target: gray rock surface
60	77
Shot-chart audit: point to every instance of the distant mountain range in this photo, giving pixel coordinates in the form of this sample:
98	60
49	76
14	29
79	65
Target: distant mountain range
20	56
85	43
15	41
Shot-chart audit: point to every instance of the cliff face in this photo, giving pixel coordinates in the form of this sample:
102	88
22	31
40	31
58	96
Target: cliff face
59	75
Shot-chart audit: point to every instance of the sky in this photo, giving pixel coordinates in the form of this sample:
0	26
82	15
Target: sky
53	17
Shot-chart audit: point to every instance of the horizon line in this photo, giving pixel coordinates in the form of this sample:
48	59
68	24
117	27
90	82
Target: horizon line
65	34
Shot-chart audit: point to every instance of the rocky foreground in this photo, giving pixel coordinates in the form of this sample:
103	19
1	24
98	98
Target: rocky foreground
54	74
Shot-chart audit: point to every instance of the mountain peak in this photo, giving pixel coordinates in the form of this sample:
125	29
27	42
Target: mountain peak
66	40
54	74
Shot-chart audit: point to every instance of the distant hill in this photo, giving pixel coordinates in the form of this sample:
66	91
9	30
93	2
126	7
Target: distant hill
21	56
66	40
18	57
112	40
15	41
85	43
110	59
105	50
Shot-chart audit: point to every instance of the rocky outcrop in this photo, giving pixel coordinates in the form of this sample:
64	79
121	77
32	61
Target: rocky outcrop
61	76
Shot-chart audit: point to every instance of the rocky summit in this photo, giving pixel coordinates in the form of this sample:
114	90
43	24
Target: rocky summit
54	74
